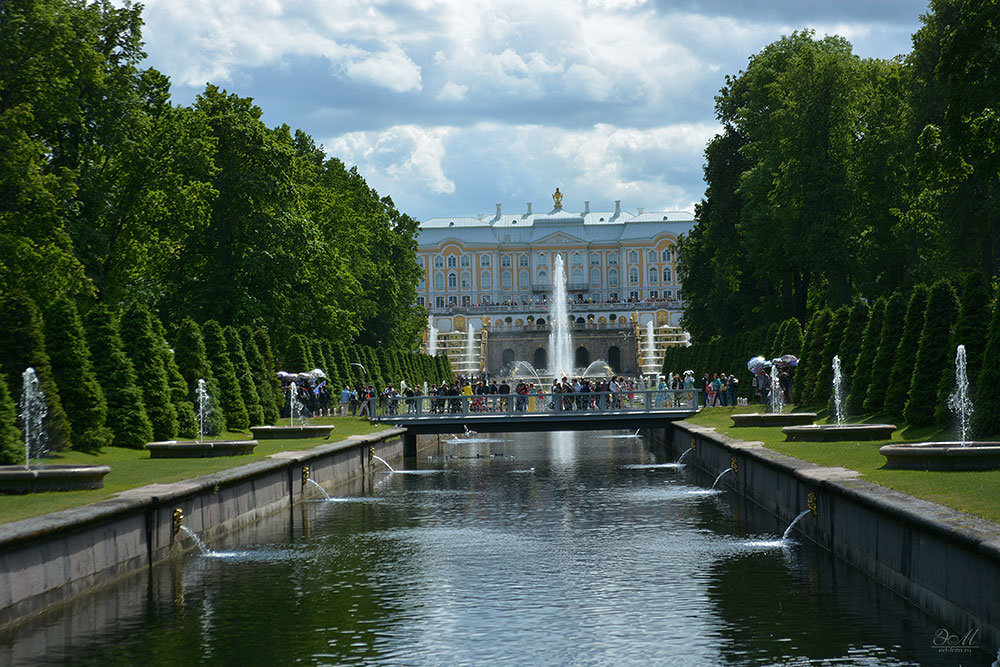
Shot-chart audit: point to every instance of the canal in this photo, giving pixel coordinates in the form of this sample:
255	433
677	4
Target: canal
562	548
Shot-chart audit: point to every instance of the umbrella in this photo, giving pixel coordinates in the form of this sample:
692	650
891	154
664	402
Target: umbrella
316	373
284	374
755	363
790	359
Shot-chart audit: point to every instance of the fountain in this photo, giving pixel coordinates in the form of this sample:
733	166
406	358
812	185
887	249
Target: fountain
37	478
839	431
522	370
432	338
598	369
649	363
384	462
721	475
561	363
680	459
788	531
303	430
202	547
200	448
776	403
960	455
313	482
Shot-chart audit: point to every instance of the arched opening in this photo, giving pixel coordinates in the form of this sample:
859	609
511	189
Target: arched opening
540	323
582	357
508	357
579	320
540	359
615	358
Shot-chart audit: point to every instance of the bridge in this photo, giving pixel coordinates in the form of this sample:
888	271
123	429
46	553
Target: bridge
506	413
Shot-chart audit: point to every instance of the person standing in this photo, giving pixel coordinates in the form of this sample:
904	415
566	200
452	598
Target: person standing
345	400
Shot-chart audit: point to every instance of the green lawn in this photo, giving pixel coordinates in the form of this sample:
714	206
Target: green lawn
131	468
977	493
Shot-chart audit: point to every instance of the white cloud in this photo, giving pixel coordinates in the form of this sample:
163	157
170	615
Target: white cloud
451	91
405	154
390	69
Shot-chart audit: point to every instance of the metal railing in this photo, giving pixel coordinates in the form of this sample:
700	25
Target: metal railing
542	307
541	403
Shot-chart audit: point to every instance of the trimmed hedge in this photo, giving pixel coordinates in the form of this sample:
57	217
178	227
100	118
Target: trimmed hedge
898	389
885	357
11	446
986	418
971	331
145	351
230	396
933	354
245	377
865	362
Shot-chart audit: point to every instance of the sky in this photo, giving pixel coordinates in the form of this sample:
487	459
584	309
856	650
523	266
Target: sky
453	106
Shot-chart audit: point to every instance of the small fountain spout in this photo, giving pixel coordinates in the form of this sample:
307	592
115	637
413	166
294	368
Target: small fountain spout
680	459
959	402
838	391
788	531
721	474
202	548
313	482
379	458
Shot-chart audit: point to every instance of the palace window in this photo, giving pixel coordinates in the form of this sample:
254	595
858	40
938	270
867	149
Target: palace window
505	279
452	281
651	256
613	258
451	261
420	301
484	260
420	284
633	257
466	279
452	300
654	295
439	302
633	276
613	277
653	275
577	277
595	259
577	259
465	261
466	301
523	279
633	296
667	255
420	261
543	277
505	261
438	262
667	275
595	277
438	282
485	280
522	260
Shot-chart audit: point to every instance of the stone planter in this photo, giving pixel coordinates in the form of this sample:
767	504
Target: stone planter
942	456
59	477
193	449
835	433
290	432
774	419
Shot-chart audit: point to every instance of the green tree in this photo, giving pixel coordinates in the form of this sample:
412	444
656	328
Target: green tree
898	389
933	355
885	357
245	376
823	389
230	397
811	361
22	346
145	351
11	446
127	416
852	340
973	315
261	376
791	343
187	421
864	364
81	394
986	418
263	341
297	357
192	363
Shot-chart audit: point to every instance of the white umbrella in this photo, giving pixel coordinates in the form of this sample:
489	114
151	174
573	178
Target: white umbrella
317	373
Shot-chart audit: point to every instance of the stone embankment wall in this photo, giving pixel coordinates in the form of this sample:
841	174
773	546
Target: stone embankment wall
943	561
55	557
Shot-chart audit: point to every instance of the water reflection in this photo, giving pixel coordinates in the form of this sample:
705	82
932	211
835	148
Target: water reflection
597	551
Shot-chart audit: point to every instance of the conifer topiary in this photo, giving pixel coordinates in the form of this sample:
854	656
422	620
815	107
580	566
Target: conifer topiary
145	351
803	353
230	395
932	355
970	331
863	365
885	357
187	421
79	390
809	366
771	340
11	446
22	346
261	376
127	418
852	339
297	357
791	343
318	357
986	418
350	373
823	389
245	377
263	341
898	390
192	363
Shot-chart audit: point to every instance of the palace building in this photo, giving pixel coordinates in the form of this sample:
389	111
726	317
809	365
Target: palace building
494	275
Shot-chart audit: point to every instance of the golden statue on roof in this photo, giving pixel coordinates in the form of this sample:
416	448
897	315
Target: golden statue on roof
557	198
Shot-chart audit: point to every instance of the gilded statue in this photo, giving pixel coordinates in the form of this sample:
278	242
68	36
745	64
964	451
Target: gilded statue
557	198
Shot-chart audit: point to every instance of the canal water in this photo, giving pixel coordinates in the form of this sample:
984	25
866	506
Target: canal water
528	549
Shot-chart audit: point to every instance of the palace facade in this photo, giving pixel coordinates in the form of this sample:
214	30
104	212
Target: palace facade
617	262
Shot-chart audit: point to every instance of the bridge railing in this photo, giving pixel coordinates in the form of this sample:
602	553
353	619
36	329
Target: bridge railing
591	402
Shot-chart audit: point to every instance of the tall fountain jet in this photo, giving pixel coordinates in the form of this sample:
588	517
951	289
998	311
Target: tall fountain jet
561	362
470	351
432	338
651	368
